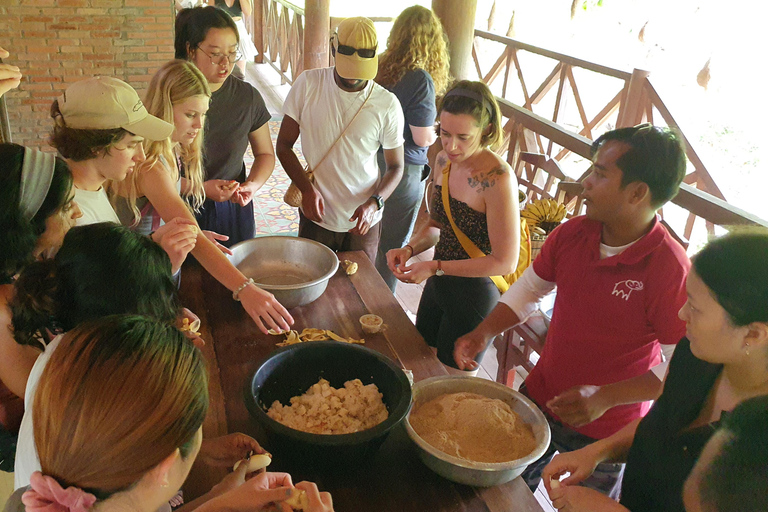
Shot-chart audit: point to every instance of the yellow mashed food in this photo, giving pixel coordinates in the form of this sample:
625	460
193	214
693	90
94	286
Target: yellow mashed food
324	409
473	427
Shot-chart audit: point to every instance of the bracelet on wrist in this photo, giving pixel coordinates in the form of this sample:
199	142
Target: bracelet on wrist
410	247
236	293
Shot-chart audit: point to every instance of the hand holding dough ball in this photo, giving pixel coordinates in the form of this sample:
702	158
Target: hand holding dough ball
255	463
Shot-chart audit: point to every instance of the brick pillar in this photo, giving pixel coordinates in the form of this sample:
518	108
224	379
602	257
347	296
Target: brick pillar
57	42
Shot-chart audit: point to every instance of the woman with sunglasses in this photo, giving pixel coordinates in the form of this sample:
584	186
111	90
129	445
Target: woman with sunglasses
208	38
415	68
481	193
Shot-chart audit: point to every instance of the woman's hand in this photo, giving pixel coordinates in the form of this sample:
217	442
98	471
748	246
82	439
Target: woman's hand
10	76
397	258
177	237
579	463
226	451
416	272
582	499
191	319
244	193
215	238
220	190
265	310
318	501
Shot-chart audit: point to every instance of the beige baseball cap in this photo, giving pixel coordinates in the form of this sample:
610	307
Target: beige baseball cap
358	33
106	103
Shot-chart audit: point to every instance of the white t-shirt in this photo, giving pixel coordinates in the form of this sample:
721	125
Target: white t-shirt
95	206
349	175
27	461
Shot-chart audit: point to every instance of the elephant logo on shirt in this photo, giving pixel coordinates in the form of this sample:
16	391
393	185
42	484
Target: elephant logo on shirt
623	289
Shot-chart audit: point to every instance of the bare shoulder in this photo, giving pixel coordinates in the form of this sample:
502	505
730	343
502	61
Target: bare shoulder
491	172
441	162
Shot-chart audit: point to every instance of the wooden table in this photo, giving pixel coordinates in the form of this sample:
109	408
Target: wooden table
394	479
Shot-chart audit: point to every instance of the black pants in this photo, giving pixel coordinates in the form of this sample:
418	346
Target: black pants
451	307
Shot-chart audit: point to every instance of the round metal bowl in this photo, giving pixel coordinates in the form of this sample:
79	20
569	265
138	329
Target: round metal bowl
478	474
295	270
291	371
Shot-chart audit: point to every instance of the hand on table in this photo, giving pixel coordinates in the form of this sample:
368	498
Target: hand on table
579	463
313	205
466	348
220	190
215	238
244	193
226	451
177	237
579	405
265	310
10	76
363	217
416	272
582	499
397	258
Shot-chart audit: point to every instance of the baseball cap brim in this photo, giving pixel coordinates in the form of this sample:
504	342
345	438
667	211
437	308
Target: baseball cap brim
151	128
354	67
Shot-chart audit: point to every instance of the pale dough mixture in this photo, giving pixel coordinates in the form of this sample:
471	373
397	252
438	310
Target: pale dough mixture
473	427
324	409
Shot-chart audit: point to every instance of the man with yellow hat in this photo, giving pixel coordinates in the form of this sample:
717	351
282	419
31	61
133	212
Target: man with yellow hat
343	117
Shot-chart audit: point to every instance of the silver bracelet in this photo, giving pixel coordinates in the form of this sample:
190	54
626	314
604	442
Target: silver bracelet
236	293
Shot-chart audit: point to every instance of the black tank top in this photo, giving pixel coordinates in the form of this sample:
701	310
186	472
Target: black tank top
235	11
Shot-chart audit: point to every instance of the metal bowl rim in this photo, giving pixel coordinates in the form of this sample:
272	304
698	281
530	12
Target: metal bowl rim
307	284
402	408
478	466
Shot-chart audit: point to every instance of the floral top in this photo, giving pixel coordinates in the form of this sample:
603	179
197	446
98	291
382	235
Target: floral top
470	221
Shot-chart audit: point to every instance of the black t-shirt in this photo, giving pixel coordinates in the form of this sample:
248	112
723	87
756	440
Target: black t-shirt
236	110
664	450
416	93
234	11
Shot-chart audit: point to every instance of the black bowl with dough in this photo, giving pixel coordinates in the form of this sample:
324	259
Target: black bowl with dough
291	371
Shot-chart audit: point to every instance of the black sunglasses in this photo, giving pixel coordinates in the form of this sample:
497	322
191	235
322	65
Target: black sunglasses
366	53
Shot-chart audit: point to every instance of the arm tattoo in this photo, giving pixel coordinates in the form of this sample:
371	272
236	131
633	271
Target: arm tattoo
482	181
442	161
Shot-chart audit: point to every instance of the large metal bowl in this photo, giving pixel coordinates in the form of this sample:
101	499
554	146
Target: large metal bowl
479	474
295	270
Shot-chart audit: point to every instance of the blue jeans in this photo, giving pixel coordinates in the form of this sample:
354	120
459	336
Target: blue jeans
400	212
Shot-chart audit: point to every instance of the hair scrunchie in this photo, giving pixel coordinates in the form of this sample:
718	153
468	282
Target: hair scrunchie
47	495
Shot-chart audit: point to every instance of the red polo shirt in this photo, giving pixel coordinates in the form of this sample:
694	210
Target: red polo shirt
610	315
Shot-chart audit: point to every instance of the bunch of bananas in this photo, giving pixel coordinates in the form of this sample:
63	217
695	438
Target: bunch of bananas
546	214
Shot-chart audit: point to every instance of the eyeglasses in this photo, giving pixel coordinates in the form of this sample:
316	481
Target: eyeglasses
365	53
219	58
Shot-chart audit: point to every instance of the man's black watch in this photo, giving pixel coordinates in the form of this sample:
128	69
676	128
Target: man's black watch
379	202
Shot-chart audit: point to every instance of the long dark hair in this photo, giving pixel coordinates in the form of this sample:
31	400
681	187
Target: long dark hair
733	268
192	26
18	235
101	269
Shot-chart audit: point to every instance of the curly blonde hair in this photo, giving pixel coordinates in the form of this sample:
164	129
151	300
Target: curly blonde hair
417	41
173	83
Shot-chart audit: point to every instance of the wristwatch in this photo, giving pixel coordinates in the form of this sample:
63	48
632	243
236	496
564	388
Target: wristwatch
379	201
439	271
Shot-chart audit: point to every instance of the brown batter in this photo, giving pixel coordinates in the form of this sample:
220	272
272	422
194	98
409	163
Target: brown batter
473	427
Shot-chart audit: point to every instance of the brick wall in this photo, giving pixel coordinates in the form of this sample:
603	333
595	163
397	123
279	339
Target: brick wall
57	42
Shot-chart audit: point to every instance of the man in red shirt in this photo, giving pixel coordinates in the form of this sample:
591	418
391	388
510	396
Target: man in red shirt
620	281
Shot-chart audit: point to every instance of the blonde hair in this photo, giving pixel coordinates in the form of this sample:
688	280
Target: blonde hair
417	41
485	112
117	397
173	83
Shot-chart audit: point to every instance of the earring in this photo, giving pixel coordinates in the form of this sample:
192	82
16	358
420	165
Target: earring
746	348
164	483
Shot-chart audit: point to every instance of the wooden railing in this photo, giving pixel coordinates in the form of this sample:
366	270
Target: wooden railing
627	99
283	37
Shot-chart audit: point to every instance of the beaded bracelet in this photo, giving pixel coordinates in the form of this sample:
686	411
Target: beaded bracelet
236	293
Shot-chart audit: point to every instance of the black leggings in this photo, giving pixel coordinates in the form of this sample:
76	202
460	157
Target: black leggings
451	307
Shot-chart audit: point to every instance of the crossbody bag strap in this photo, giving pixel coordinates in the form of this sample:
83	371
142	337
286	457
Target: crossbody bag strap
370	93
469	246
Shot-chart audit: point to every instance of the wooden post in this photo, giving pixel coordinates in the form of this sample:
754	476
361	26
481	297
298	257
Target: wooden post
317	20
257	35
633	108
458	18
